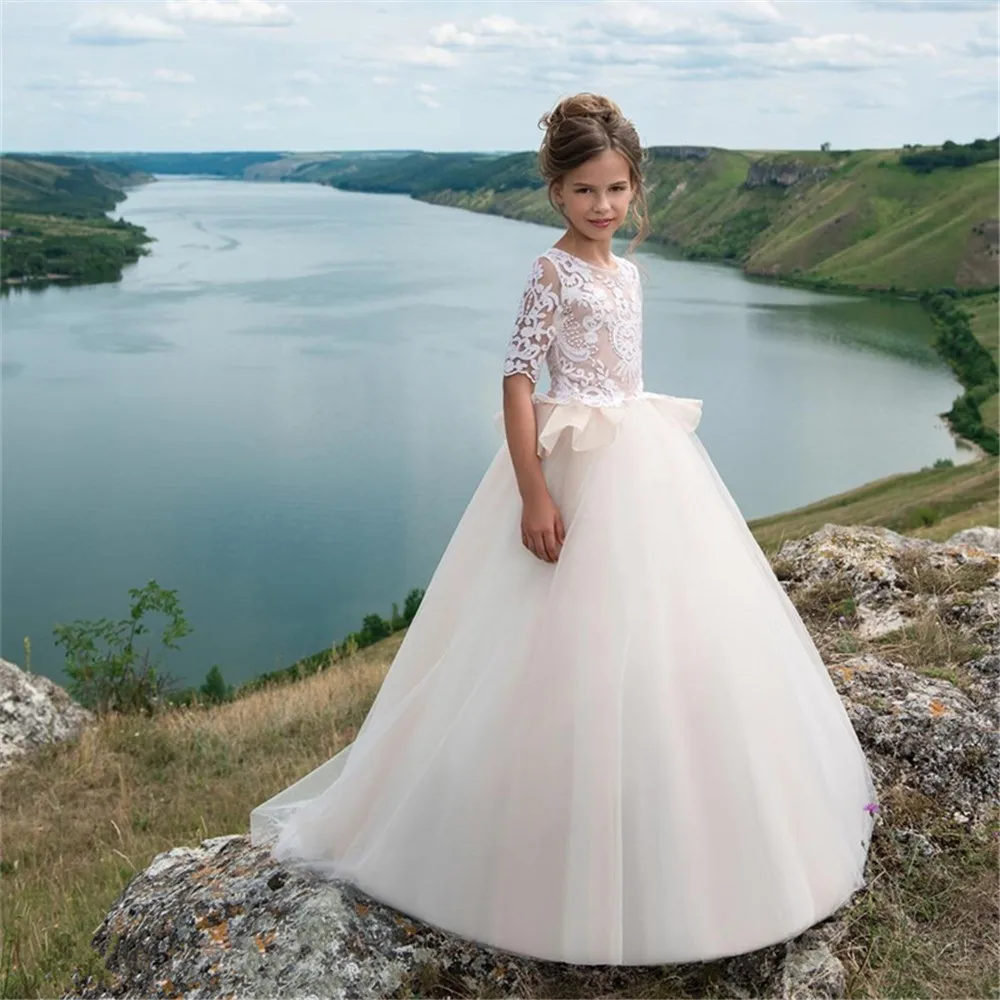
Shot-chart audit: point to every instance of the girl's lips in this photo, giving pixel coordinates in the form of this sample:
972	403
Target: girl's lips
601	223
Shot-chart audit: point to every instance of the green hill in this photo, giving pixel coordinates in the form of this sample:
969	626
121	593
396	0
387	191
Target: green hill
864	220
54	216
64	185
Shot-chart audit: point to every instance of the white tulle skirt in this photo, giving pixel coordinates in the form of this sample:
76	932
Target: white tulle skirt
634	755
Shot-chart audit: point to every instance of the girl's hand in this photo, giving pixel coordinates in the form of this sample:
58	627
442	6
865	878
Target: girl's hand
542	530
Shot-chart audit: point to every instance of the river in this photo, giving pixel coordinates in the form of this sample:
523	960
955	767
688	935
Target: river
282	411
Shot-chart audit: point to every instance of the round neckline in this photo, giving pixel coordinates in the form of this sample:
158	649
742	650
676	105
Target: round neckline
596	267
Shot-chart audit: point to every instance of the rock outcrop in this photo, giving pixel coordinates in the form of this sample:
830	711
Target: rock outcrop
34	710
782	173
908	630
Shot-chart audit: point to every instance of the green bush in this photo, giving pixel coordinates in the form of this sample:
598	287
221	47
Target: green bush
107	670
952	154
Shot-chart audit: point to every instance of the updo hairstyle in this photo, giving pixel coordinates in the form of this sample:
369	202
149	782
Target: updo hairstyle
584	126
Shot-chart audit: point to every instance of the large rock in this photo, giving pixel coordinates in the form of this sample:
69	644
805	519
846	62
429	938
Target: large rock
224	918
34	711
910	637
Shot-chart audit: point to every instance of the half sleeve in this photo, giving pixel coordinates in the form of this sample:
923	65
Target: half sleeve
536	321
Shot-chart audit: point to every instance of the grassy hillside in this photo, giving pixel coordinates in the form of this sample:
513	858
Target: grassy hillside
932	503
54	210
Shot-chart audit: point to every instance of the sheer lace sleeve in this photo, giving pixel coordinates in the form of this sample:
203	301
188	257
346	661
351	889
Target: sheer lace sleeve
536	321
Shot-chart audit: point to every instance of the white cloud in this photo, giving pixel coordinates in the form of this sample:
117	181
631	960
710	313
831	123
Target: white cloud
172	76
232	13
427	55
753	11
841	51
384	81
449	34
714	24
836	52
306	76
494	31
119	27
425	92
88	91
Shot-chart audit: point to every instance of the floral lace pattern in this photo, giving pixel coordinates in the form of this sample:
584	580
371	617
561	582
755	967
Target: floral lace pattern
585	321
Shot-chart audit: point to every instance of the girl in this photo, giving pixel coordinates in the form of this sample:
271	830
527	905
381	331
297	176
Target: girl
607	736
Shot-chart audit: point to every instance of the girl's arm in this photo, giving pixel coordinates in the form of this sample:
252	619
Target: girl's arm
521	428
541	524
542	530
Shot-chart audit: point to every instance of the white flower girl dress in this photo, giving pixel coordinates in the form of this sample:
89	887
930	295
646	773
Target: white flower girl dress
633	755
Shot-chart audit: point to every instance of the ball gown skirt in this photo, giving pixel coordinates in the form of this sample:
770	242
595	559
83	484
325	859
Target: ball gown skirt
633	755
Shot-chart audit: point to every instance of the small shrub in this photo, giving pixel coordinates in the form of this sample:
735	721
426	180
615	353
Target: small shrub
120	677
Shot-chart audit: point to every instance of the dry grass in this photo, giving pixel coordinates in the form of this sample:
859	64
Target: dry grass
80	818
826	602
927	925
930	645
920	576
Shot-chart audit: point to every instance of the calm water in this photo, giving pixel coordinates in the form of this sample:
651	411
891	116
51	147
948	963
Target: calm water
284	410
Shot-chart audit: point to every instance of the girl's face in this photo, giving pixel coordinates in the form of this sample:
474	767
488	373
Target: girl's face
596	195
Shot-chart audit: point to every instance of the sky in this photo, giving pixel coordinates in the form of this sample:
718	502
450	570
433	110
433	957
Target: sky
314	75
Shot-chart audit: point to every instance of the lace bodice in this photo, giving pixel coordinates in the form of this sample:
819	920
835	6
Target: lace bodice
586	322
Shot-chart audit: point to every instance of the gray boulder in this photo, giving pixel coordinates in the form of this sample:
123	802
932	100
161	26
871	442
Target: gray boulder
34	711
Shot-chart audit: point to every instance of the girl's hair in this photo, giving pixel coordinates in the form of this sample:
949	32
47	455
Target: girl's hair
581	127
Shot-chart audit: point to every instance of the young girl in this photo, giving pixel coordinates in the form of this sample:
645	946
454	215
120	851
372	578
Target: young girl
607	736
